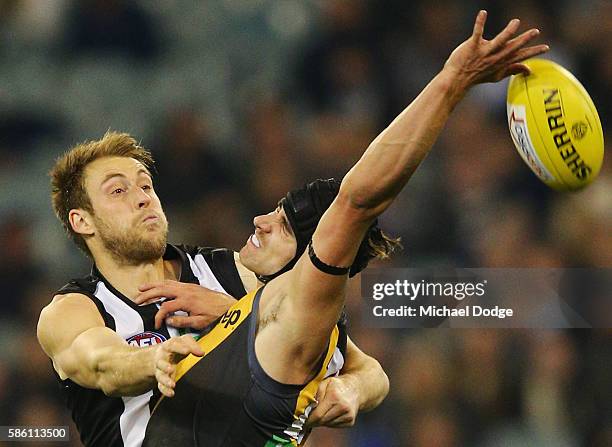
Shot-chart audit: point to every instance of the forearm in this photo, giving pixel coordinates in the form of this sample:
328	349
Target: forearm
125	371
72	333
395	154
100	359
370	381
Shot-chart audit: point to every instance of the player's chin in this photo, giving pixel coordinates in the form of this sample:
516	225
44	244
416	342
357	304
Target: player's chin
157	238
243	252
250	259
157	230
246	256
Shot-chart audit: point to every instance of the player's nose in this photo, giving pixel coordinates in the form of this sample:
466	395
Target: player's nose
262	222
143	199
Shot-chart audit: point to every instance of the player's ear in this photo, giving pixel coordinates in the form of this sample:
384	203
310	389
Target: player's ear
81	221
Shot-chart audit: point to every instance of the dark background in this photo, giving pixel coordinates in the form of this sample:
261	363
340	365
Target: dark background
241	100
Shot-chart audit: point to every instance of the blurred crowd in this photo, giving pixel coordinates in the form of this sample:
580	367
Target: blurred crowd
241	100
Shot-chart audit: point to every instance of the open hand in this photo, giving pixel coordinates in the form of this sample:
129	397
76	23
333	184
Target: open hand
479	60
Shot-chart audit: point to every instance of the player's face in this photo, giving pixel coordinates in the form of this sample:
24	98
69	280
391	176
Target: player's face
128	217
272	245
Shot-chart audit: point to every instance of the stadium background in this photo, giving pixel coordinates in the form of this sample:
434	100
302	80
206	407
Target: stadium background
241	100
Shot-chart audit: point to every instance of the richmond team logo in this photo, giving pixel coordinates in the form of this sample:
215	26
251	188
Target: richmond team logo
146	339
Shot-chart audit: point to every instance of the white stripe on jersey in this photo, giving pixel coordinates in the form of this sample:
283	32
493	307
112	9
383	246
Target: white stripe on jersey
128	322
204	274
133	420
335	364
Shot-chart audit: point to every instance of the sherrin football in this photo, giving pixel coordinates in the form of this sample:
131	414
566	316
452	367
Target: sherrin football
555	126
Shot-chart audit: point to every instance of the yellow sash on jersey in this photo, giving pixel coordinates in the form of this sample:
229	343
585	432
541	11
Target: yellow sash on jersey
230	320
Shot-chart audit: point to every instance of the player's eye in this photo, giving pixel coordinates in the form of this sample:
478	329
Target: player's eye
118	191
147	187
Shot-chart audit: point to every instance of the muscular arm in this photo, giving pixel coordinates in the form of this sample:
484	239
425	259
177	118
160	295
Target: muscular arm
72	333
367	190
371	381
309	300
362	386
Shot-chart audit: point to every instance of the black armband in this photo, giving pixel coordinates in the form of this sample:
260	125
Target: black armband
325	268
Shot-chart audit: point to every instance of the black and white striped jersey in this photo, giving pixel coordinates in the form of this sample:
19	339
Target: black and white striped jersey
121	421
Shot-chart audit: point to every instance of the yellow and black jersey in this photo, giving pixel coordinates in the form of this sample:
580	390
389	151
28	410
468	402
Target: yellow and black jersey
226	399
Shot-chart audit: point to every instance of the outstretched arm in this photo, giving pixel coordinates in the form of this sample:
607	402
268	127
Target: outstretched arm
72	333
394	155
311	300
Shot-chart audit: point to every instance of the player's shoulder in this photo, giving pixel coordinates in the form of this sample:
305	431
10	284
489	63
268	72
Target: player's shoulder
85	285
64	317
75	298
66	305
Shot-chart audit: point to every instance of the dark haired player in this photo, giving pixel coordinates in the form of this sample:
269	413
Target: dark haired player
280	341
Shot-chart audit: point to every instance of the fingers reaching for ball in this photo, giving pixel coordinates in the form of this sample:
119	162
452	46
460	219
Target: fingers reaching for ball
479	60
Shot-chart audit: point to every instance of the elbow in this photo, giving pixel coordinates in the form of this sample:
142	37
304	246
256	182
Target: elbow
365	201
109	390
379	388
355	194
385	386
358	203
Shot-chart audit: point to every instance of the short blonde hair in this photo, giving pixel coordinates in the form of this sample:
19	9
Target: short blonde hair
67	176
